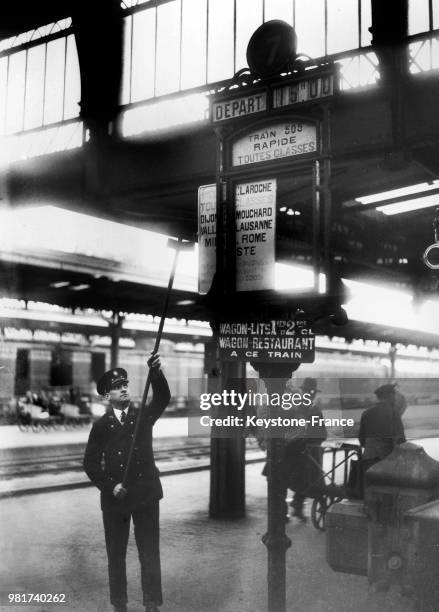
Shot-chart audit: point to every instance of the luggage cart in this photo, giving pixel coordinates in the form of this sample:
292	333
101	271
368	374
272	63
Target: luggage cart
335	483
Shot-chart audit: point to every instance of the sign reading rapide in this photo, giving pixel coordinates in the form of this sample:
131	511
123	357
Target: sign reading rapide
287	139
275	340
255	221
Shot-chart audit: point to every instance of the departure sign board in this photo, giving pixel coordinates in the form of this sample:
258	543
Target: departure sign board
306	90
271	143
255	235
239	107
276	340
206	236
289	92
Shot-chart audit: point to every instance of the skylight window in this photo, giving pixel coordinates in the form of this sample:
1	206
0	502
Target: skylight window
402	206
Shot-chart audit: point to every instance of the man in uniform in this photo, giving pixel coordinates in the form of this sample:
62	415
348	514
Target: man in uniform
303	455
381	427
110	439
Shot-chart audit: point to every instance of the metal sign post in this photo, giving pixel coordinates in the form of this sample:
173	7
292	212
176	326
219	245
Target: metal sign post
272	127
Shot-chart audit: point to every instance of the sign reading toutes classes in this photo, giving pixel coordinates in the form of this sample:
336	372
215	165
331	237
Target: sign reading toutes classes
255	235
206	236
276	340
290	139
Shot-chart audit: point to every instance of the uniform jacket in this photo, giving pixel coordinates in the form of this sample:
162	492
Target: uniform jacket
108	448
301	473
381	429
303	457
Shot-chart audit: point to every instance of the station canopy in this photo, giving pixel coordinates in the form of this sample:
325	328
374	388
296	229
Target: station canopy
73	260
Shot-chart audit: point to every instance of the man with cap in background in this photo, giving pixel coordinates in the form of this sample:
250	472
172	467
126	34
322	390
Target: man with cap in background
303	455
110	439
381	427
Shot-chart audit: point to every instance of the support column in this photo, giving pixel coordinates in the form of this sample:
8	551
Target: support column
115	325
98	31
389	31
392	357
227	455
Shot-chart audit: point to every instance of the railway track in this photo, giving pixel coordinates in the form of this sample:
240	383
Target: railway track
32	466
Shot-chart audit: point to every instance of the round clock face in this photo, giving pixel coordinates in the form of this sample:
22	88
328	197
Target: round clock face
271	47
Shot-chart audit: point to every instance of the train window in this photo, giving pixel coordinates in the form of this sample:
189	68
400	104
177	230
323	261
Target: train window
22	372
97	366
61	369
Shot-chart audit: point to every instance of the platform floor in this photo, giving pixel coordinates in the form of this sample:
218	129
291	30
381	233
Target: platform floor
53	542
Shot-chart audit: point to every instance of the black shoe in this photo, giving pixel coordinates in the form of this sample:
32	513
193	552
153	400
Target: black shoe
298	513
152	606
122	608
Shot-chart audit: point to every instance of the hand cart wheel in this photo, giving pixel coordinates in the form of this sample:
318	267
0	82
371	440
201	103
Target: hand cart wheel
319	508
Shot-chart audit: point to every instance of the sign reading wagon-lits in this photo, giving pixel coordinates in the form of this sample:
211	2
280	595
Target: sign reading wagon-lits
275	340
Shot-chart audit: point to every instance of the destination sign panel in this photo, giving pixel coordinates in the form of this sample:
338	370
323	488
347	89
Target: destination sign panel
255	235
206	236
286	139
307	90
276	340
239	107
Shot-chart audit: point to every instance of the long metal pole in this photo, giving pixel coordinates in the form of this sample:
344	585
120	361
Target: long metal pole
154	351
276	540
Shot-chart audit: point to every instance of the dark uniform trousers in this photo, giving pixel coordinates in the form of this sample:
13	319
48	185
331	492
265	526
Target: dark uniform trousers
110	442
146	531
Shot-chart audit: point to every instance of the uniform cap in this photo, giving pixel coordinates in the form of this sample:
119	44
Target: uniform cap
310	385
111	378
385	391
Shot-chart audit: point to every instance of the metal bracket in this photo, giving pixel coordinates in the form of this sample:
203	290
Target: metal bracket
435	245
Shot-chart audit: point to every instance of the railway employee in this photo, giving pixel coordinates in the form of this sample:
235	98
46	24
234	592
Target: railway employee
110	440
381	427
303	456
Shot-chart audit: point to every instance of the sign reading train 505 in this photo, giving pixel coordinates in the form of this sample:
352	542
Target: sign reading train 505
271	143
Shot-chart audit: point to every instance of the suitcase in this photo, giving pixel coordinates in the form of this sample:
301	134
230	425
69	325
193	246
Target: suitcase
346	537
422	574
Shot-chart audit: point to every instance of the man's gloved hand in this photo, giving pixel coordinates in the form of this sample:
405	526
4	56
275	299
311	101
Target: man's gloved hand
154	363
119	491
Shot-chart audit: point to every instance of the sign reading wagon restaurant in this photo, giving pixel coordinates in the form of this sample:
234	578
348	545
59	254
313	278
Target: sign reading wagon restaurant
275	340
286	139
